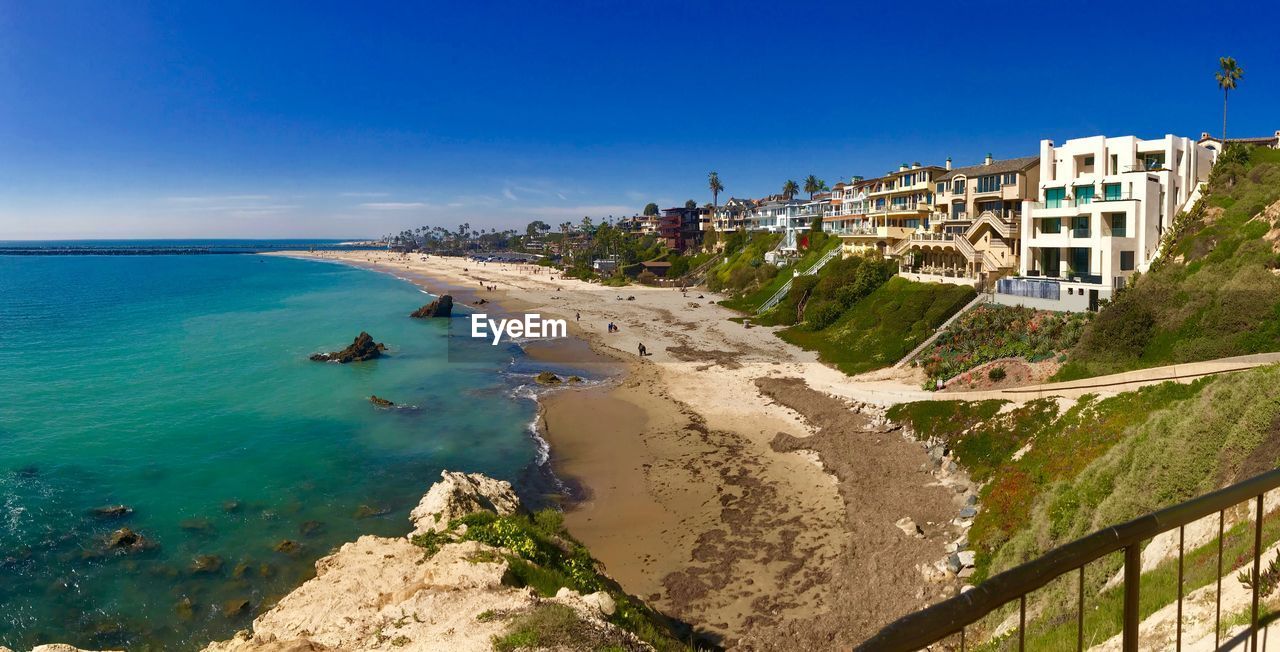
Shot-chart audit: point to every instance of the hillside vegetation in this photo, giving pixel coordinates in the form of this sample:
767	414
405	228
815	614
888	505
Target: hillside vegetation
1213	293
770	278
993	332
860	332
1102	462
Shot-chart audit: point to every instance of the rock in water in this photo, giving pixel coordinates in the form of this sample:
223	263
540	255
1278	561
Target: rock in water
442	307
128	541
458	494
381	402
109	512
363	348
547	378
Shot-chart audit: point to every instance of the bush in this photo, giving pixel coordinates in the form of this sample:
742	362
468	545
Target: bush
647	278
991	332
996	374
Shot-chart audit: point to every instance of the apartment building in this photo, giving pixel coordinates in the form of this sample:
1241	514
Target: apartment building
975	230
680	227
897	205
1103	205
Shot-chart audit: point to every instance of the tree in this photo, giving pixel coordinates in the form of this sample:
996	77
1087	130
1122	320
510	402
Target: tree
789	189
813	185
690	204
536	227
713	182
650	209
1228	76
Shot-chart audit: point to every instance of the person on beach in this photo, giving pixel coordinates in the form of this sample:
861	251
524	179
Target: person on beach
577	316
643	351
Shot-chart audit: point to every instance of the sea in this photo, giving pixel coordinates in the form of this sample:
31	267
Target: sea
173	378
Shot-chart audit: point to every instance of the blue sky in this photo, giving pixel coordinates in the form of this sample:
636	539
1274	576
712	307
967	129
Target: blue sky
131	119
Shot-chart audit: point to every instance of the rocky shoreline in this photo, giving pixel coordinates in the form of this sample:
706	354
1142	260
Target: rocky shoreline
430	590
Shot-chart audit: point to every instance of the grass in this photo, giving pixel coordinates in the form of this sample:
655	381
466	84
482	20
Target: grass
545	558
884	326
1100	463
751	301
1213	292
744	268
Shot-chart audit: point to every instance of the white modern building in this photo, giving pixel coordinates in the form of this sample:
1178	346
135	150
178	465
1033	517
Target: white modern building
1104	205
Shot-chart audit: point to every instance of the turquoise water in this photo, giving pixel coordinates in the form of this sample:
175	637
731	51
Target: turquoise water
180	386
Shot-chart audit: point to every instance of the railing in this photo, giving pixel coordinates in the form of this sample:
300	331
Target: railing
786	287
952	617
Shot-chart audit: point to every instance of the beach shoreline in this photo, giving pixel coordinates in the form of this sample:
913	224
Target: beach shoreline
683	496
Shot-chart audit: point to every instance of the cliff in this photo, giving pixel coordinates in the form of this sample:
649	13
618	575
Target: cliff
441	589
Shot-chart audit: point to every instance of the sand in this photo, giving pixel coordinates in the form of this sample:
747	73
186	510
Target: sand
685	500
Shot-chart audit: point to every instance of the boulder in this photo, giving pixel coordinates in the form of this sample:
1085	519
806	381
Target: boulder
235	606
310	528
206	565
442	307
128	541
458	494
110	512
370	511
288	547
380	402
909	527
363	348
547	378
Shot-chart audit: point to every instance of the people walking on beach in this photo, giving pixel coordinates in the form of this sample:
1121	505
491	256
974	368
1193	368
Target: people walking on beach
577	316
643	351
612	328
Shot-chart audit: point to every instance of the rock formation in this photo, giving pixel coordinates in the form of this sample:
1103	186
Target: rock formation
108	512
547	378
442	307
382	593
380	402
458	494
363	348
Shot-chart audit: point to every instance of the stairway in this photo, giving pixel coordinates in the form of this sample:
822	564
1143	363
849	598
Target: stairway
978	300
782	291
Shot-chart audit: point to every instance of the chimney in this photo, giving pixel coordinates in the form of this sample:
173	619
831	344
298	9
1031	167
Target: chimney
1204	135
857	178
948	162
915	165
987	161
902	168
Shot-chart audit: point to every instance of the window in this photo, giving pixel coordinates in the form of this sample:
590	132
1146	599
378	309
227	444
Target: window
1051	225
1119	228
1080	261
1126	261
1088	161
1053	197
1084	195
989	183
957	186
1010	179
908	179
1111	191
942	187
1080	226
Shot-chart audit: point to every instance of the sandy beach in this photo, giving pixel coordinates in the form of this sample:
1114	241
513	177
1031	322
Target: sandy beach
697	496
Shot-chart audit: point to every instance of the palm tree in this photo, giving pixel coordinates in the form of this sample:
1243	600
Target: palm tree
713	182
789	189
813	185
1228	76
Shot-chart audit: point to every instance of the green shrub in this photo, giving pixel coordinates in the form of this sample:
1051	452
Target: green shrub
996	374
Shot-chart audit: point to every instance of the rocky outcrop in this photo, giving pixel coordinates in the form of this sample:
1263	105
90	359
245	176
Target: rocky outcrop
109	512
380	402
442	307
381	593
547	378
53	647
458	494
363	348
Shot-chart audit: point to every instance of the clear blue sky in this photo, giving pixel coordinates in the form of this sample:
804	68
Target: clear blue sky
265	119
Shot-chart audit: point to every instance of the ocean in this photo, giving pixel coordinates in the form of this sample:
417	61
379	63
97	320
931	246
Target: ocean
180	386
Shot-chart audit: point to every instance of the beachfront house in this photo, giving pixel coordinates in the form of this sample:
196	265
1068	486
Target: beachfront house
1103	205
897	205
974	235
681	227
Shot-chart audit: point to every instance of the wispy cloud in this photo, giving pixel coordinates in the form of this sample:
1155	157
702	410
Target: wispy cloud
392	205
506	192
363	194
201	199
